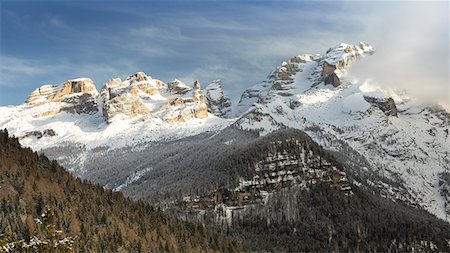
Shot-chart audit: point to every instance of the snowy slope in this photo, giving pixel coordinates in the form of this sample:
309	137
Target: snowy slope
47	124
412	148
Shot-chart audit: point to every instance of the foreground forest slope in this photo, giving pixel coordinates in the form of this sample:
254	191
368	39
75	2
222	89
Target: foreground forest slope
317	201
45	209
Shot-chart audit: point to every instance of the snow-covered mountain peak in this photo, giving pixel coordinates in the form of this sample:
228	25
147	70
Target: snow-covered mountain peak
343	53
304	72
138	77
73	96
57	93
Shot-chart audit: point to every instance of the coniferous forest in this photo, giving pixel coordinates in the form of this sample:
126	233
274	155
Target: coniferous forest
45	209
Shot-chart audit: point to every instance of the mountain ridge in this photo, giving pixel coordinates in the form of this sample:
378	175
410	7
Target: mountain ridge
401	139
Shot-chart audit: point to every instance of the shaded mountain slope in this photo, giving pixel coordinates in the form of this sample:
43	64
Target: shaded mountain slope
314	201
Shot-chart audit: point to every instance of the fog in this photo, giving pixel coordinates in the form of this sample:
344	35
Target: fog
412	49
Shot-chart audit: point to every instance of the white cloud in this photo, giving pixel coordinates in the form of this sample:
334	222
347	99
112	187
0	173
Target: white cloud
16	72
412	42
57	22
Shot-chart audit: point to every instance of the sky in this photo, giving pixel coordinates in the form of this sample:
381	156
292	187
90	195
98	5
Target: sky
238	42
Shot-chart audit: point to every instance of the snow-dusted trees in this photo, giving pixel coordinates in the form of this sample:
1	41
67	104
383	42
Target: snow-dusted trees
47	237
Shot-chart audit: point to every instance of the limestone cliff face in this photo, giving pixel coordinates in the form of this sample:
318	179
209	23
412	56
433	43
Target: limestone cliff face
178	87
57	93
339	58
126	97
125	104
73	96
143	83
141	95
191	105
218	102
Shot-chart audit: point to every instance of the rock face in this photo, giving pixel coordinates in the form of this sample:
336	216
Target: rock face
191	105
387	105
329	77
126	97
178	87
141	95
74	96
218	102
85	103
125	104
57	93
40	134
339	58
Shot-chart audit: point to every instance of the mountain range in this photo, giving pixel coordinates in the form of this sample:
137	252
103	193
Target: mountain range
307	128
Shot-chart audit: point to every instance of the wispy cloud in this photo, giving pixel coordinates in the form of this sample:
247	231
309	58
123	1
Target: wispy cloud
16	72
13	68
57	22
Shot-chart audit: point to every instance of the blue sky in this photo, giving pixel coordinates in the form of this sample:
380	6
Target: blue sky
239	42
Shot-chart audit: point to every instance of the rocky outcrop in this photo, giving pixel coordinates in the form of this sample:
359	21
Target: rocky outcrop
192	105
343	55
140	95
143	83
136	96
218	103
200	111
278	82
332	79
85	103
328	75
125	97
387	105
40	134
283	75
339	58
74	96
81	85
57	93
198	95
125	104
107	91
178	87
183	114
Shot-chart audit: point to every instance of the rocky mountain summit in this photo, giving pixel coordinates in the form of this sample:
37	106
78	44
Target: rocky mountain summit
138	95
74	96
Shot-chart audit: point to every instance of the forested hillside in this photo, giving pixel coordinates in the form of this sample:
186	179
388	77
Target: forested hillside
45	209
310	208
